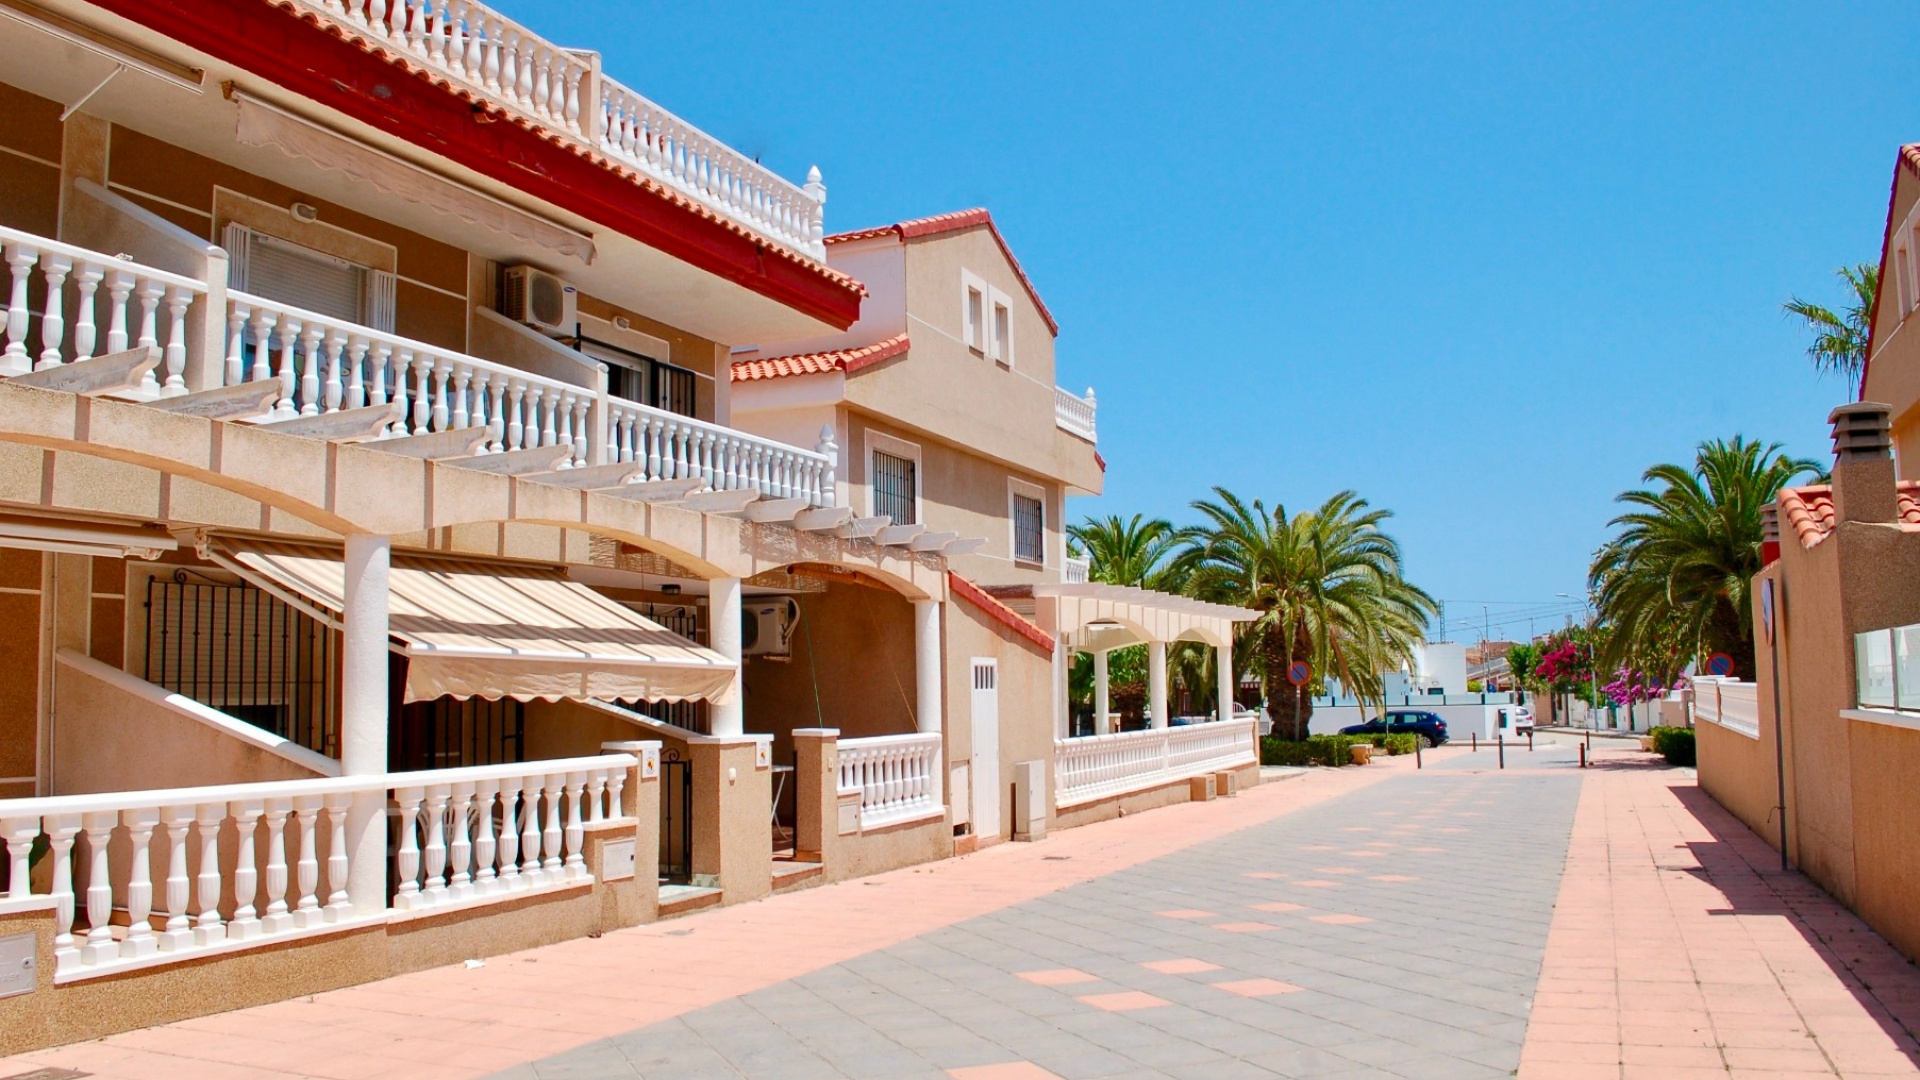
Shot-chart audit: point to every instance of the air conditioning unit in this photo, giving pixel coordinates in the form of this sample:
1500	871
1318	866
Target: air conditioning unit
532	296
766	625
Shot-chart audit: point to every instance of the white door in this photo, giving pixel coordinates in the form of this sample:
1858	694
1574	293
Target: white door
986	746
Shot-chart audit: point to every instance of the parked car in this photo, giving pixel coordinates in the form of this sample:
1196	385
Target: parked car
1516	720
1427	725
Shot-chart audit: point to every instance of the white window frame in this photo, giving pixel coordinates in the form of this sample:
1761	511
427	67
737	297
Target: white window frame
378	302
999	345
977	336
899	448
1021	488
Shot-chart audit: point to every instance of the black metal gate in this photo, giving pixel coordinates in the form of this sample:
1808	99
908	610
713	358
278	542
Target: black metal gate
247	653
448	733
676	819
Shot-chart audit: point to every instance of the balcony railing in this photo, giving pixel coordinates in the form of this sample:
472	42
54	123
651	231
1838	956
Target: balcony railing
1074	414
1074	570
461	837
1728	703
564	91
67	304
897	776
1101	766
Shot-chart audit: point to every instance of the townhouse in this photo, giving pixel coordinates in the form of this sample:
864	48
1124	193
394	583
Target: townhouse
449	503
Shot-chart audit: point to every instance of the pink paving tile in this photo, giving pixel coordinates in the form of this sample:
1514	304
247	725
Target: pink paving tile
1317	847
1340	919
1058	977
1124	1001
1012	1070
1264	875
1363	853
1245	927
1182	966
1185	913
1256	987
1278	906
1392	879
1317	883
1335	870
1430	850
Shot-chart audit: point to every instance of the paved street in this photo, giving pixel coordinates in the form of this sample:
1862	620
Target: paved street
1457	921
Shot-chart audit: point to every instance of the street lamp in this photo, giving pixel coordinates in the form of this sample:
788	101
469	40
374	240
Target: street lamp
1593	675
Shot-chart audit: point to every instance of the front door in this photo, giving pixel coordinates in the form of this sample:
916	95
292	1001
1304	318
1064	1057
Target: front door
986	746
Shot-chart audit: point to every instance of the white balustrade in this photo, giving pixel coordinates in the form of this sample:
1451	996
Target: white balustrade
289	861
896	775
1074	570
325	365
66	303
563	91
1075	414
675	447
1101	766
1728	703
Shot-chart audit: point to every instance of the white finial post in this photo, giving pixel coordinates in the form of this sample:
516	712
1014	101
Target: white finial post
817	192
829	484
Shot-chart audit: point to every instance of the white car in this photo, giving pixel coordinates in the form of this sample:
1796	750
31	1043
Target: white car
1517	719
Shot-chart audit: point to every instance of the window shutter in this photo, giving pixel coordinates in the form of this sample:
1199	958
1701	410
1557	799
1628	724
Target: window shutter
305	278
238	240
379	304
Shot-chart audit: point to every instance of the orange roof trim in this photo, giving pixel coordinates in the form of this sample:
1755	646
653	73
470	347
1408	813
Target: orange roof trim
820	363
1809	510
955	221
1000	612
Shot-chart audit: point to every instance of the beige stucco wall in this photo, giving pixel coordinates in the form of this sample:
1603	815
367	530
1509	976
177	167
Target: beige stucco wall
1893	373
852	668
1153	798
1025	699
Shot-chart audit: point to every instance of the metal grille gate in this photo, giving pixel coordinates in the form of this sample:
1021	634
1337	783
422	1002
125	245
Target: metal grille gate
676	819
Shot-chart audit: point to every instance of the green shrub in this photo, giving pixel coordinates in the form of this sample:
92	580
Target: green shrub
1673	743
1395	745
1328	750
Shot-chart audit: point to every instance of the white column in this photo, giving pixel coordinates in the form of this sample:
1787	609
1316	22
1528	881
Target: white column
928	685
1102	695
1223	662
926	664
1157	681
363	714
723	620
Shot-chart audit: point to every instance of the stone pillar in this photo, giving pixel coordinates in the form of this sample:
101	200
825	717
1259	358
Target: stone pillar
363	713
1157	682
640	800
723	621
928	685
816	795
1223	662
733	816
1102	694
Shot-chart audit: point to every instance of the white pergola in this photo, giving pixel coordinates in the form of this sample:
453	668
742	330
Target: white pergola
1095	618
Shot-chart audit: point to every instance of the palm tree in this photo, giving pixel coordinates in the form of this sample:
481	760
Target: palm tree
1674	583
1143	553
1840	339
1327	583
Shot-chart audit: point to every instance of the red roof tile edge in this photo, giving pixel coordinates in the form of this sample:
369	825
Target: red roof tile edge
972	594
954	222
819	363
1809	510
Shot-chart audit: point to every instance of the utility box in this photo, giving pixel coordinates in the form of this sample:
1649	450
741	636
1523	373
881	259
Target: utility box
1030	800
1202	788
1226	784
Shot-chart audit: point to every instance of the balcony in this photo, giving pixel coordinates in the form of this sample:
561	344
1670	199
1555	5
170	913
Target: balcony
67	304
564	92
1074	570
1074	414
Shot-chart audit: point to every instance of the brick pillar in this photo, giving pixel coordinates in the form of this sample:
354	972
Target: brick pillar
816	793
732	816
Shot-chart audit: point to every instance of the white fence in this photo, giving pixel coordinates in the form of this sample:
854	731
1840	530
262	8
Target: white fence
563	92
677	447
897	776
167	875
1100	766
1075	414
1074	571
1728	703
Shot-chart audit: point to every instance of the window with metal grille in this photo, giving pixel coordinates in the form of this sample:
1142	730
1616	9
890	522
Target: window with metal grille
1029	529
894	494
985	674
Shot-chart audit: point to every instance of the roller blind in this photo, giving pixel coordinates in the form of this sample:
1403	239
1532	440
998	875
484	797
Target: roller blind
304	278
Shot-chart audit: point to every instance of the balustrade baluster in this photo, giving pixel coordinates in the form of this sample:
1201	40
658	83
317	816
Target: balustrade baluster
523	84
150	294
496	413
576	789
139	891
596	795
473	64
174	355
119	289
53	326
355	395
289	334
333	350
15	360
246	821
461	414
86	332
61	829
549	434
655	433
100	946
560	409
422	392
435	853
339	905
530	868
572	107
278	919
510	64
178	933
616	793
264	323
236	344
516	429
19	834
583	448
509	876
406	860
306	909
416	38
460	851
539	92
485	881
439	374
552	787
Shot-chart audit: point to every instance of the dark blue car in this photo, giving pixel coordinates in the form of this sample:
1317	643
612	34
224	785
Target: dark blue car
1404	722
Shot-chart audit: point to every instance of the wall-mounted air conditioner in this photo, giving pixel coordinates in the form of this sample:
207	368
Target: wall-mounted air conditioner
766	625
532	296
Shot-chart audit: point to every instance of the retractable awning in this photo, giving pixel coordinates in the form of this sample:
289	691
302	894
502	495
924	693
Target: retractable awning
492	630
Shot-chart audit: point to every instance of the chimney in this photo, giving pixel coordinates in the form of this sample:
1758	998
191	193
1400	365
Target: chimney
1863	481
1770	534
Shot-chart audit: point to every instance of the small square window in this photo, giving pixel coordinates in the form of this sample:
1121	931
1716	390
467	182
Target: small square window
976	320
894	493
1029	529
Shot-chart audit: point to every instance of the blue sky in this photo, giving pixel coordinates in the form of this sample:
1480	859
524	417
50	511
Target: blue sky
1482	263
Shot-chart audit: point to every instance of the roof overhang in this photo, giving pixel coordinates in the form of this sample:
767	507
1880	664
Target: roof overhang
1095	617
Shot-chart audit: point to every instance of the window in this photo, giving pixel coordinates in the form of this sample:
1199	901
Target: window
976	308
302	277
894	492
635	377
1029	529
1002	330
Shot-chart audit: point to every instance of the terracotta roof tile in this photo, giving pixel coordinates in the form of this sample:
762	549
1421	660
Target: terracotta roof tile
1809	510
973	594
954	222
819	363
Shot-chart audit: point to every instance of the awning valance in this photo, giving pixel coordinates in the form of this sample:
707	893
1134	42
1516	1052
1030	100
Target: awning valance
492	630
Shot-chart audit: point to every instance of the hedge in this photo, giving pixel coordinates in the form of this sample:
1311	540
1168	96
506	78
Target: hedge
1330	750
1673	743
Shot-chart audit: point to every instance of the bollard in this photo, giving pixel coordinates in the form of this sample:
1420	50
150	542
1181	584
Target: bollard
1583	757
1476	742
1589	748
1529	740
1418	741
1500	741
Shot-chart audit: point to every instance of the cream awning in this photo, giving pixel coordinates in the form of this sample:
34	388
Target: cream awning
493	630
